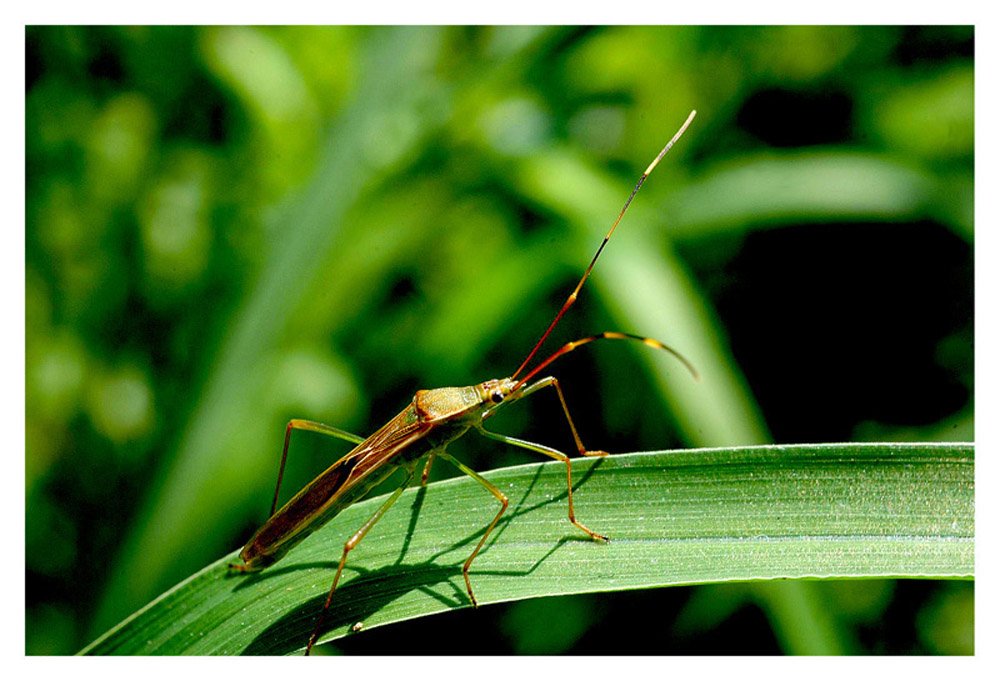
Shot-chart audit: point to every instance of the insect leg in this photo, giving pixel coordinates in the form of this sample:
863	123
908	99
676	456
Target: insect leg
427	469
546	382
555	454
492	489
351	543
316	427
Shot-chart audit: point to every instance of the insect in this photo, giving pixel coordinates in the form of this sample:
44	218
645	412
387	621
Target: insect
432	420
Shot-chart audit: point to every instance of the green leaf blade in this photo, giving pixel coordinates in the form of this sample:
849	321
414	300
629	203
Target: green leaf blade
683	517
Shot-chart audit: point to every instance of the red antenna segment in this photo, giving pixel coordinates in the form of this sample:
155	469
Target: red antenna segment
572	296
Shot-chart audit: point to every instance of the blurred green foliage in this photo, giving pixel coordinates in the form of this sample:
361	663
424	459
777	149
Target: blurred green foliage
229	227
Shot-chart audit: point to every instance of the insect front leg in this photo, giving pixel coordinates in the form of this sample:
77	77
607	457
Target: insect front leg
492	489
555	454
351	543
551	381
316	427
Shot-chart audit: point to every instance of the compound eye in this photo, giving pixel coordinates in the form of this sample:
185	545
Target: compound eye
496	396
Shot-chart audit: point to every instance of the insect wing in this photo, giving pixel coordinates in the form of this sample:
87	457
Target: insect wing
379	449
337	487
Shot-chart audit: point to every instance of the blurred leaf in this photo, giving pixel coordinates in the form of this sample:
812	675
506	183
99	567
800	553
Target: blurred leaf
261	73
682	517
947	623
535	628
931	116
800	618
796	186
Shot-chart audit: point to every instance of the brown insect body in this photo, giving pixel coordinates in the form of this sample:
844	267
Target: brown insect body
432	420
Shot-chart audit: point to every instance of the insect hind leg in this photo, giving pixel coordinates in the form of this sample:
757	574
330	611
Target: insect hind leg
350	544
316	427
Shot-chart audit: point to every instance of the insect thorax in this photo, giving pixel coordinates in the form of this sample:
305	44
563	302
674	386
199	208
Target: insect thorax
447	403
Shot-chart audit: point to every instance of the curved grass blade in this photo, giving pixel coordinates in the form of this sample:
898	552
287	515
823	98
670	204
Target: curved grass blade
681	517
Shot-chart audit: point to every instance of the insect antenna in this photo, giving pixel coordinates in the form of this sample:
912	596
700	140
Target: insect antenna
572	296
608	335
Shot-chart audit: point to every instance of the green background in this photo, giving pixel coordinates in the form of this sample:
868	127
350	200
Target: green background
230	227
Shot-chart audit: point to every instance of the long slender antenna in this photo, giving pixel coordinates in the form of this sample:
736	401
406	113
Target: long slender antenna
609	335
572	296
